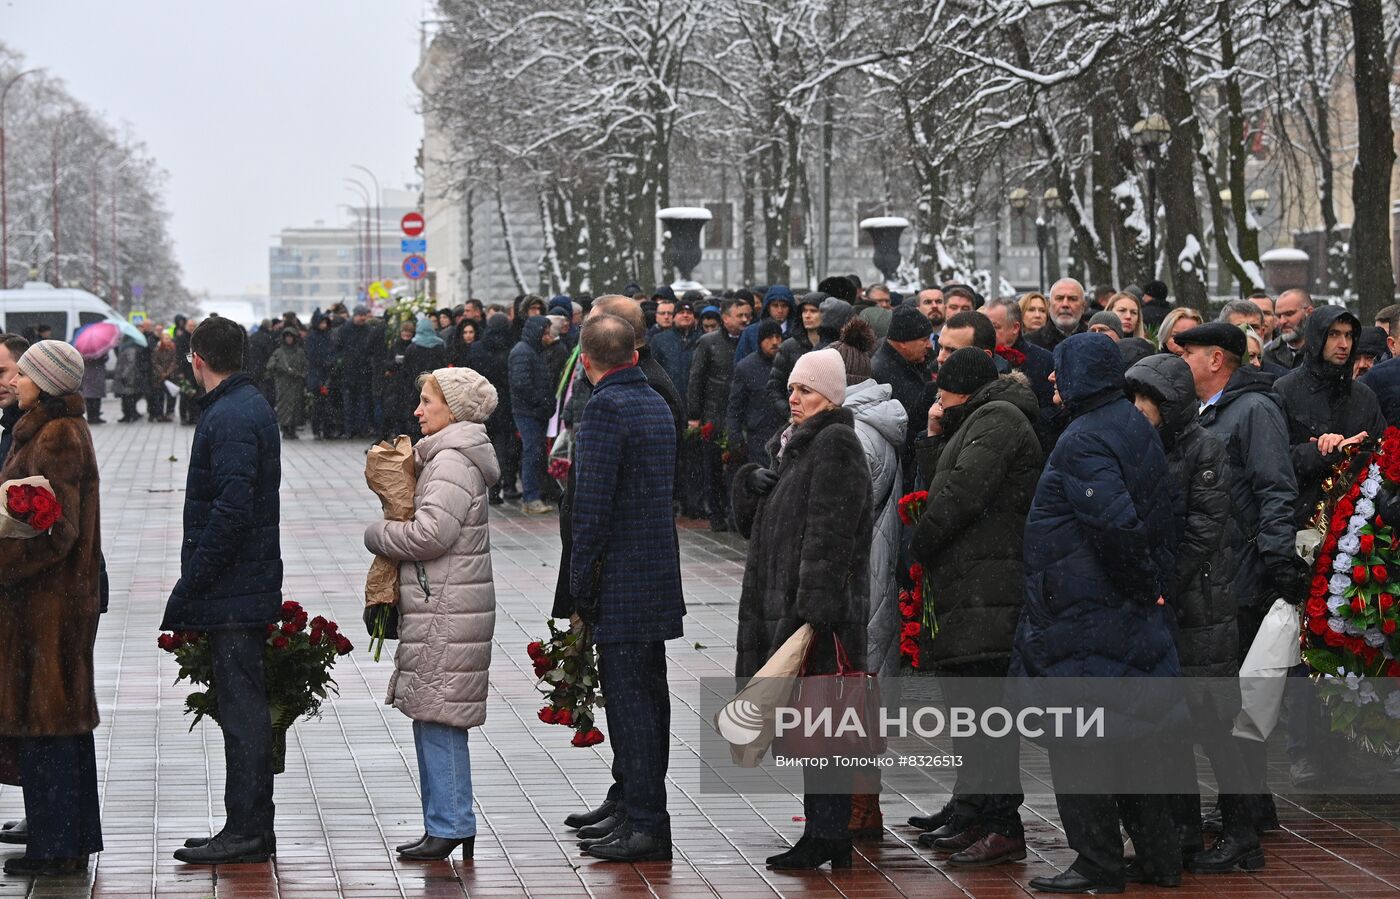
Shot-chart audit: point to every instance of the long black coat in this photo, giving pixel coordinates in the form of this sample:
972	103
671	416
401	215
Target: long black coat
711	373
981	480
809	546
1207	635
1318	399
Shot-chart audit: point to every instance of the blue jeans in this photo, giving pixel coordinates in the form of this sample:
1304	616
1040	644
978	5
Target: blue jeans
445	772
531	455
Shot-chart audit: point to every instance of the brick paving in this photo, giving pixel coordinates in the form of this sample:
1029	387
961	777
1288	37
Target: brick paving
350	791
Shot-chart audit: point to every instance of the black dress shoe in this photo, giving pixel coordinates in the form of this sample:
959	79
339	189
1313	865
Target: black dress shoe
583	819
196	842
227	849
15	831
813	853
934	821
602	828
1133	873
585	845
435	849
632	846
1072	881
46	867
1226	855
404	847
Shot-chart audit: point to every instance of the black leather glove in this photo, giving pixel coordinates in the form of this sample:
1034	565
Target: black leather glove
761	481
1287	578
391	623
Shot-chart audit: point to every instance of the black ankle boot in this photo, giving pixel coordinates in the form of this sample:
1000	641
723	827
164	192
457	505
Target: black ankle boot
814	853
435	849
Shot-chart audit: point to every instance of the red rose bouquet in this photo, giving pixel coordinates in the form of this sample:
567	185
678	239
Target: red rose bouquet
918	621
1352	614
30	508
297	662
566	668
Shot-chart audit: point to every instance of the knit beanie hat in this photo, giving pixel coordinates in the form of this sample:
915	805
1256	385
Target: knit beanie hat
855	346
469	395
908	323
966	370
57	367
1111	319
824	372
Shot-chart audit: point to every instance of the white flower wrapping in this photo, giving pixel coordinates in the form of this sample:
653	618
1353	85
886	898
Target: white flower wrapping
13	527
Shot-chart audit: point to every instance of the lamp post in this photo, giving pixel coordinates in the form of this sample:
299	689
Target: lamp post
378	198
359	218
4	205
96	177
57	263
1259	200
116	272
1149	134
1020	200
1051	201
364	192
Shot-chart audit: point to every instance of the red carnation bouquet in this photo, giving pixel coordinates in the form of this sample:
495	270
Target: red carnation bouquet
918	623
30	508
297	661
567	669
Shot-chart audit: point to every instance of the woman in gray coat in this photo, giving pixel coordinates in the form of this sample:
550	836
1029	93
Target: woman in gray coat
447	601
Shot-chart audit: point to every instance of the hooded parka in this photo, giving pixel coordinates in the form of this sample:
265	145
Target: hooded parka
982	473
880	425
1207	635
287	370
445	629
1321	398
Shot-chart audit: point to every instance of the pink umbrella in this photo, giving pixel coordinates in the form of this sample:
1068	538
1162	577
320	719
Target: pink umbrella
96	339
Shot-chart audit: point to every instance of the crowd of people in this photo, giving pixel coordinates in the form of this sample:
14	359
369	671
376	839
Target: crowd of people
1086	459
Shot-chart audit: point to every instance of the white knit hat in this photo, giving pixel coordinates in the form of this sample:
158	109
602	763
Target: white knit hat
469	395
57	367
824	371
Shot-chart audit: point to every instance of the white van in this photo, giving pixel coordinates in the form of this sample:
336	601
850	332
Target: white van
63	309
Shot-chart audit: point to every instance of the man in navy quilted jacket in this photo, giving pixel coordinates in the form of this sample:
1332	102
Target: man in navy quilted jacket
230	583
624	572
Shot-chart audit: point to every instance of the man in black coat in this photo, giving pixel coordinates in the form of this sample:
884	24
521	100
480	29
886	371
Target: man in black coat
1292	310
230	583
902	362
711	371
1384	381
822	318
673	349
354	367
12	347
751	418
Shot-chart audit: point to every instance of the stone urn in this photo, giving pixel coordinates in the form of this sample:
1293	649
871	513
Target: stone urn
884	232
682	226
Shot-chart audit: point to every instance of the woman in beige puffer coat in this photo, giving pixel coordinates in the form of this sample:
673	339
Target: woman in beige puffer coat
447	601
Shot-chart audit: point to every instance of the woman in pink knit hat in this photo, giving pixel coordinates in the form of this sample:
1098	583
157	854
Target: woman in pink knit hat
809	524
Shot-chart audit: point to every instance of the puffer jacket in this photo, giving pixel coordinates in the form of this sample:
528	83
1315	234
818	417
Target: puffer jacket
1099	538
880	425
1248	418
982	473
1207	636
1320	398
444	654
531	384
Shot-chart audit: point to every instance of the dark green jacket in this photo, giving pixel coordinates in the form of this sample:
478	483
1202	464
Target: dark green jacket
981	481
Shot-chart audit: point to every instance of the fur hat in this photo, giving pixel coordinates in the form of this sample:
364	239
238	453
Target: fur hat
855	346
55	366
469	395
823	371
838	286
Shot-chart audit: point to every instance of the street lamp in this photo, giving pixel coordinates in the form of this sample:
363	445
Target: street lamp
4	205
364	192
1020	200
57	263
1259	200
1149	134
1047	234
378	198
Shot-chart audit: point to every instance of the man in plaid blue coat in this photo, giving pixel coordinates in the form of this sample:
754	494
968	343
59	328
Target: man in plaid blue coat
625	572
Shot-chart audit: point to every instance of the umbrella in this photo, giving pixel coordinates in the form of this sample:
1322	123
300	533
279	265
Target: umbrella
97	338
130	330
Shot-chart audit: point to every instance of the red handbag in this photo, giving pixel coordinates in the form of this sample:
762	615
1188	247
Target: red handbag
836	715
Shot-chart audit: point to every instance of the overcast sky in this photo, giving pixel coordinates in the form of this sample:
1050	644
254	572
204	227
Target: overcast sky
256	108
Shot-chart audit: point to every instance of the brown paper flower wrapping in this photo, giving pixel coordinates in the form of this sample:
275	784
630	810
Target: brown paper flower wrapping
389	471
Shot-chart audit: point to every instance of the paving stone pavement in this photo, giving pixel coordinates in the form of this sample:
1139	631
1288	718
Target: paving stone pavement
350	792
